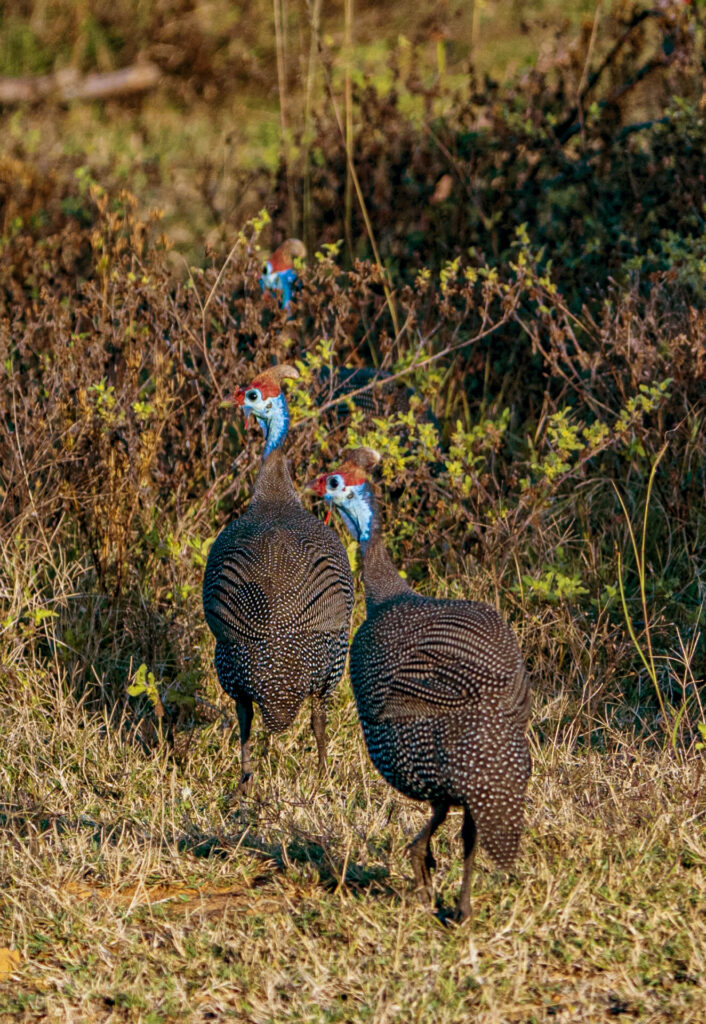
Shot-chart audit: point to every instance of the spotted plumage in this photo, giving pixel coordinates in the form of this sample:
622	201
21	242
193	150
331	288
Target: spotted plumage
387	395
442	694
277	592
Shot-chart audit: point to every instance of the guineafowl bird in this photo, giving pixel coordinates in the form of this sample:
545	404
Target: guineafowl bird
441	690
277	591
279	276
384	393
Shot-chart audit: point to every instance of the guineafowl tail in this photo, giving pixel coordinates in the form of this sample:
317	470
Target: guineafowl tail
502	845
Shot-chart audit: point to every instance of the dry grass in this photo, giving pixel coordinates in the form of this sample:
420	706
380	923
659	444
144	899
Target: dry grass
134	885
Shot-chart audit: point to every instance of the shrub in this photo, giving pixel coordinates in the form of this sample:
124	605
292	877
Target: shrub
121	456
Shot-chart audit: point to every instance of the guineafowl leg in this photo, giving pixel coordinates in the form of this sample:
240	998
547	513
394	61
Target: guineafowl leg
318	724
468	834
420	854
244	710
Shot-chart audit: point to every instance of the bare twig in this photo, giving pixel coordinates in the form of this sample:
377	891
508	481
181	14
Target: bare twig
348	193
202	307
584	74
314	11
568	127
361	199
280	46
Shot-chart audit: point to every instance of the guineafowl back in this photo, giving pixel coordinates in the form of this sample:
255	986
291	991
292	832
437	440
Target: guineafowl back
277	596
443	699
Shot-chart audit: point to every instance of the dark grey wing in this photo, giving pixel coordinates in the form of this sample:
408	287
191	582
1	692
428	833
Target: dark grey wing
348	381
236	603
237	598
332	582
327	595
447	657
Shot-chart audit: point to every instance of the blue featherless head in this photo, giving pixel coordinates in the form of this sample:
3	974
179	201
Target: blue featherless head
348	490
264	399
279	276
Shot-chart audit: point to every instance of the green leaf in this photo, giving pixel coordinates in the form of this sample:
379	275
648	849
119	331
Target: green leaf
43	613
352	552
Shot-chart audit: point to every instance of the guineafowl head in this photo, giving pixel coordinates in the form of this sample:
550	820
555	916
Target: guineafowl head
349	490
265	400
279	275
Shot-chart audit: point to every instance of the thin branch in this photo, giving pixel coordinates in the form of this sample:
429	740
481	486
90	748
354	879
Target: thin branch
568	127
280	49
408	369
348	97
314	11
204	345
361	200
582	89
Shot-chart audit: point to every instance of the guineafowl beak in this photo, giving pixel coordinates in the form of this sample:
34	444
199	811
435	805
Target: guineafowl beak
318	486
239	399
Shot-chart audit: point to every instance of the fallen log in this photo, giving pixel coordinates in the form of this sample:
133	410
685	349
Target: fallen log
68	84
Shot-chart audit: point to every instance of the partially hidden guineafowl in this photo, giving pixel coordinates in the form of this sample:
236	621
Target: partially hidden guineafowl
278	591
279	276
442	694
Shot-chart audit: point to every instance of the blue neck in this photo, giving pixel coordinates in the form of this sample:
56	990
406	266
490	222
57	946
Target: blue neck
279	281
358	514
276	426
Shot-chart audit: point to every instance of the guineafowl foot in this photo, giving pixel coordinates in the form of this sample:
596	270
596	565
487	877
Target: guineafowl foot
423	862
318	725
245	788
244	711
469	835
422	877
460	913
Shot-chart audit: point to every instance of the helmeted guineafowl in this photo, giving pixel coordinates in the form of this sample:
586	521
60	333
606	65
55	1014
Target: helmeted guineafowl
441	690
278	275
384	393
277	591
